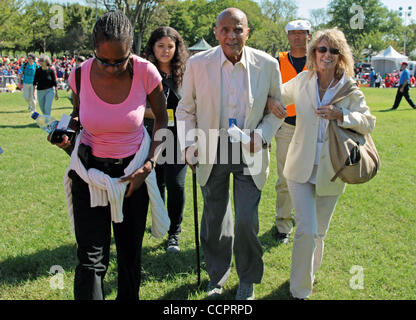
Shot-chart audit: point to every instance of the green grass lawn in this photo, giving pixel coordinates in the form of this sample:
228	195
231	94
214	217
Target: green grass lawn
374	225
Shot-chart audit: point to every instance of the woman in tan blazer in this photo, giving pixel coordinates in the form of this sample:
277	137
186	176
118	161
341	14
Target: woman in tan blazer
308	168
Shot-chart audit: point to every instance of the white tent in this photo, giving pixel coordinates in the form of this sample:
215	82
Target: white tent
387	61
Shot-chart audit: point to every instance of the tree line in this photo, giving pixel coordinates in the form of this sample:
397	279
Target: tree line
41	26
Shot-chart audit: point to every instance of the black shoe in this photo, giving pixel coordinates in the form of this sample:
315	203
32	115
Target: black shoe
173	243
294	298
282	237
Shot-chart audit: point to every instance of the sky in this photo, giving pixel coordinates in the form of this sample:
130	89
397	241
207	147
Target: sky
304	6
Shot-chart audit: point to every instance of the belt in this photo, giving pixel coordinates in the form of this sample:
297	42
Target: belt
112	160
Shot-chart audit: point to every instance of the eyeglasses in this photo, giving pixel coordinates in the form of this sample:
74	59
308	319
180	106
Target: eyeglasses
115	64
325	49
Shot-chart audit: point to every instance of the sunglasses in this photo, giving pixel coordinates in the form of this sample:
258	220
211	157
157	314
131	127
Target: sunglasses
108	64
325	49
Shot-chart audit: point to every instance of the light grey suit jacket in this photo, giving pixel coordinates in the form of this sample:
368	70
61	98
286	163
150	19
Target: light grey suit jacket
198	112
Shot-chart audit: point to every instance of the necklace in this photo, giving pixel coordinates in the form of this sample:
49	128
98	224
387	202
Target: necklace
324	89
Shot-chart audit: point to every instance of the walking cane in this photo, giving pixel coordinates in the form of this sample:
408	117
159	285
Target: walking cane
196	228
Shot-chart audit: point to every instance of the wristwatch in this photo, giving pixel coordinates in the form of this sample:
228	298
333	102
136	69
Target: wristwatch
152	162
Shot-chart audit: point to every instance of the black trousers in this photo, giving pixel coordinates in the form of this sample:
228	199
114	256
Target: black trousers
400	95
93	235
171	177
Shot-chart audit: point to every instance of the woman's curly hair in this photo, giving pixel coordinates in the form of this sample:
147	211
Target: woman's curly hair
336	39
178	62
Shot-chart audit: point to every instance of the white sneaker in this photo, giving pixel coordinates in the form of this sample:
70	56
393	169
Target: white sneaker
214	290
173	244
245	291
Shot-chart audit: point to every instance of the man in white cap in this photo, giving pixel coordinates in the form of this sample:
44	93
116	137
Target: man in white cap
291	62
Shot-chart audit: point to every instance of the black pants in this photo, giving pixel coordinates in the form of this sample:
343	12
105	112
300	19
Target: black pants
93	235
400	95
171	177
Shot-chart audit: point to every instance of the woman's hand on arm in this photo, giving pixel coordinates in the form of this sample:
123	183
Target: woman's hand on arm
276	108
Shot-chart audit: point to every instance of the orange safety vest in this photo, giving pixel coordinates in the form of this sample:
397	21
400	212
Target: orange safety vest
288	72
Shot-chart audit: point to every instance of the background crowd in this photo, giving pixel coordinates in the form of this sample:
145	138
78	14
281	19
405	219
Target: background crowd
366	76
11	68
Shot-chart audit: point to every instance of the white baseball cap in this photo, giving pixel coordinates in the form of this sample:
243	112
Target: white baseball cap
298	25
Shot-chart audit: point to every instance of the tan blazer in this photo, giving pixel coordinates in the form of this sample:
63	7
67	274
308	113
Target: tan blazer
200	106
302	149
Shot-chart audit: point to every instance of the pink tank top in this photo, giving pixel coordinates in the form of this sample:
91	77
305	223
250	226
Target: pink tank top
115	130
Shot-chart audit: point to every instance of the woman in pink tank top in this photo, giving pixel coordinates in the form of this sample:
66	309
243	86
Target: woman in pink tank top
114	87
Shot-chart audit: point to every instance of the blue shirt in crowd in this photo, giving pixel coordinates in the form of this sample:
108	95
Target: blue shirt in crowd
29	72
405	75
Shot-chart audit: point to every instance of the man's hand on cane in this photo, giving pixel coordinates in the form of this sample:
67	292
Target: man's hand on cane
191	157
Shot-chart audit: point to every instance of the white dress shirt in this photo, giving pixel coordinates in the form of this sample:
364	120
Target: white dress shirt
234	91
323	123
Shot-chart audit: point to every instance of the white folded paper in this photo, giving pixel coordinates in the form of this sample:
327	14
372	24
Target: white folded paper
237	135
64	122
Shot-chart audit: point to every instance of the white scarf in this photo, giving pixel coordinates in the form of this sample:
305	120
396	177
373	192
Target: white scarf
104	189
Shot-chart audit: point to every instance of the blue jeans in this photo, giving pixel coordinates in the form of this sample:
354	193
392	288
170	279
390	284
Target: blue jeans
45	99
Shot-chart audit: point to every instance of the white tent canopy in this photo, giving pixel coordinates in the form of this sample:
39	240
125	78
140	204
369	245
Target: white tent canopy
387	61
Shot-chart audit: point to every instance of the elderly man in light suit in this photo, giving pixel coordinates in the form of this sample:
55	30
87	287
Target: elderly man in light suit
229	84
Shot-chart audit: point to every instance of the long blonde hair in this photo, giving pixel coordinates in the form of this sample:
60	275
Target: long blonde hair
337	40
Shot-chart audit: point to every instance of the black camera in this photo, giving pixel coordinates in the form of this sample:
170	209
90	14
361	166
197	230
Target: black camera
57	135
